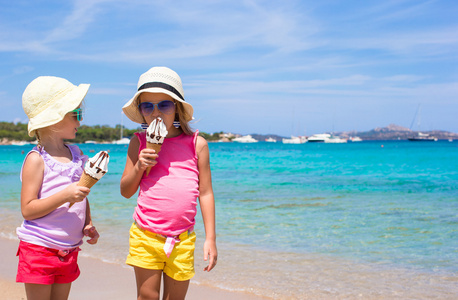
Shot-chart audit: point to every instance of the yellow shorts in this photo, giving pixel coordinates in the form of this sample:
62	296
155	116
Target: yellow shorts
147	251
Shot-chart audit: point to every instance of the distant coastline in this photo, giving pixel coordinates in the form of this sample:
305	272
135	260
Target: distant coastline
390	132
395	132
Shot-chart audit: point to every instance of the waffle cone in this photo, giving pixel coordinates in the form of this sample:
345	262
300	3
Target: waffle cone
87	181
157	148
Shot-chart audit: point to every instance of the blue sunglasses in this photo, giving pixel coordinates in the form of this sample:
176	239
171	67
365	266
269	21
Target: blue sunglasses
166	106
78	114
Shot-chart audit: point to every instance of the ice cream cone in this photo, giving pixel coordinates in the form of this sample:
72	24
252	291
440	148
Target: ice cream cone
155	135
94	169
157	148
87	181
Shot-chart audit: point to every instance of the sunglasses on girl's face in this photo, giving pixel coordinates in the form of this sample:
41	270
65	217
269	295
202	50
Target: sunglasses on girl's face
78	114
166	106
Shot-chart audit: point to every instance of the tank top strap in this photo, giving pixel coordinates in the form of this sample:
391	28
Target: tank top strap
142	140
73	169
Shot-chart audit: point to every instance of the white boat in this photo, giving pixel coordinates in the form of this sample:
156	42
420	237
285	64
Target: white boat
326	138
245	139
355	139
423	137
122	141
295	140
335	140
271	140
20	143
319	138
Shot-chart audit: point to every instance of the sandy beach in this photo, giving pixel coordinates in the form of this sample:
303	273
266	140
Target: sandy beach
98	280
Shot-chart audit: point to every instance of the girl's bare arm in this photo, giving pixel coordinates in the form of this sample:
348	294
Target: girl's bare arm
136	164
207	203
32	180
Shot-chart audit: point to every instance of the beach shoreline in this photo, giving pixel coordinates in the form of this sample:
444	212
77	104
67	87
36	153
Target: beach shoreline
98	280
355	221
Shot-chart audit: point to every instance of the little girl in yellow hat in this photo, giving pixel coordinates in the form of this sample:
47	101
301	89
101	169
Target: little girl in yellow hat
52	231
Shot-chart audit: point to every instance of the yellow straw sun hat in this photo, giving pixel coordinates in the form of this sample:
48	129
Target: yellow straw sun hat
157	80
47	99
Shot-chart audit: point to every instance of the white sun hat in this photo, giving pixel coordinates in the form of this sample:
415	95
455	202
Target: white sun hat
47	99
157	80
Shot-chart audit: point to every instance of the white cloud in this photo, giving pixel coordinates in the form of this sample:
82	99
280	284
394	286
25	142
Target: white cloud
76	23
22	70
404	78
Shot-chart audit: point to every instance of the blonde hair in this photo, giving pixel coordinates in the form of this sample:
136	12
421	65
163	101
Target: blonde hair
40	132
182	117
37	135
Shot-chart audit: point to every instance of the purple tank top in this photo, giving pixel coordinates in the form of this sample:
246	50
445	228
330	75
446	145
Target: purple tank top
61	229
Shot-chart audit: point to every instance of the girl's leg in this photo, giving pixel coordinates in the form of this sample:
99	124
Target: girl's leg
148	283
38	291
60	291
174	289
47	291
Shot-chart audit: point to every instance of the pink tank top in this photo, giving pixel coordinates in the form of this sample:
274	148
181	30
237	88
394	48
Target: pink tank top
62	228
167	199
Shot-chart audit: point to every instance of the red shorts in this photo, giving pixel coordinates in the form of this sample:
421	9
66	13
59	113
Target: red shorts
41	265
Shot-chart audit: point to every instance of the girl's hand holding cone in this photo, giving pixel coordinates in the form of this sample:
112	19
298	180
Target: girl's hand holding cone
95	168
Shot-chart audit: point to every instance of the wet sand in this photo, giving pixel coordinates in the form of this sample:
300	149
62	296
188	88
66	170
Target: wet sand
98	280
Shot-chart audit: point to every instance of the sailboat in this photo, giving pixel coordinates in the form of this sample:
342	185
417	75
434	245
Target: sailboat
423	137
122	140
420	137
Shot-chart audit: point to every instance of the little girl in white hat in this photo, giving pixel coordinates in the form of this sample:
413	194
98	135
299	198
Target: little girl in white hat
162	239
52	231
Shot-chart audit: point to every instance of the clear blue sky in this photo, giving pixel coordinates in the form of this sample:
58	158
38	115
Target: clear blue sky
281	67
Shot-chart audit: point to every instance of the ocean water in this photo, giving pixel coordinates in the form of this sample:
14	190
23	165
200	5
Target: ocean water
367	220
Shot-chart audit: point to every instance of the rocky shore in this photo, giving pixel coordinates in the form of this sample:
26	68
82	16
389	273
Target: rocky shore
395	132
390	132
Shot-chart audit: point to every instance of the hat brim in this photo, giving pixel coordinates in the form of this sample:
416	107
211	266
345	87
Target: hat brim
130	109
56	113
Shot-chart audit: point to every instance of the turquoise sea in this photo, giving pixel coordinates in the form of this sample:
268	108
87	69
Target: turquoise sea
366	220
